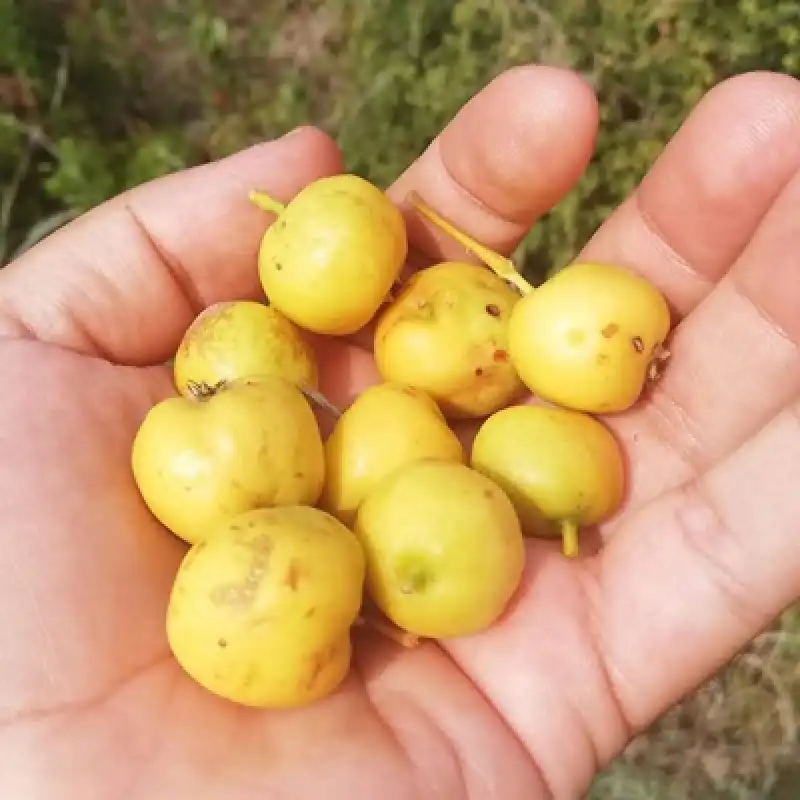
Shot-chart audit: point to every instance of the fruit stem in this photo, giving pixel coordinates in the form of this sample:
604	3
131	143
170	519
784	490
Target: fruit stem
502	267
569	538
265	202
202	391
390	631
658	363
320	400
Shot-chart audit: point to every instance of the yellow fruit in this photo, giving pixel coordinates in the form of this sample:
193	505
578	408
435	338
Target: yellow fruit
387	426
447	333
253	443
260	612
589	338
444	549
331	258
242	339
556	465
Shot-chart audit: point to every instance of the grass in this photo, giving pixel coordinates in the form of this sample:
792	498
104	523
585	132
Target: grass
98	96
737	738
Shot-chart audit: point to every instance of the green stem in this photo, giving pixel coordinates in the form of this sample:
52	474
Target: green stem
265	202
389	630
502	267
569	538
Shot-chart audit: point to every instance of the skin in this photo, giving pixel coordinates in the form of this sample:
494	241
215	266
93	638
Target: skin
261	611
447	333
198	461
387	426
556	465
593	651
231	340
333	255
586	338
444	548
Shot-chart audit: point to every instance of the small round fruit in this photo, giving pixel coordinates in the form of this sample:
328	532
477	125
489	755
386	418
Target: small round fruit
556	465
589	337
444	549
387	426
331	258
260	612
447	333
254	442
242	339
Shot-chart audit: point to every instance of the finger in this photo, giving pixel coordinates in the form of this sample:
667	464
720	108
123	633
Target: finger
125	280
734	363
691	578
508	156
693	214
501	163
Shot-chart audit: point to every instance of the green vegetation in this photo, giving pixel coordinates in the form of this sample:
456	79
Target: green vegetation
99	96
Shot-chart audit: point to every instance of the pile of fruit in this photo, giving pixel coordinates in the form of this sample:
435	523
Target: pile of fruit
390	519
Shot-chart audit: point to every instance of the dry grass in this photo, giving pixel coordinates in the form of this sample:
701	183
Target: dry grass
736	738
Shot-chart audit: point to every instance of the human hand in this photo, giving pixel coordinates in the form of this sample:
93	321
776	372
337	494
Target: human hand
92	705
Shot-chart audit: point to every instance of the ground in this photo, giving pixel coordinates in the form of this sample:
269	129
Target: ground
97	96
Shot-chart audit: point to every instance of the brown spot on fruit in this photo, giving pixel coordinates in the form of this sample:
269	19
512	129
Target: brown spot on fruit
222	642
610	330
261	544
293	575
493	310
318	661
638	344
500	356
310	613
478	371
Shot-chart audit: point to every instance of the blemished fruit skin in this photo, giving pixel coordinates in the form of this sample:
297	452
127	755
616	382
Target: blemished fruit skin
260	612
242	339
555	464
330	259
447	334
587	337
254	443
444	549
387	426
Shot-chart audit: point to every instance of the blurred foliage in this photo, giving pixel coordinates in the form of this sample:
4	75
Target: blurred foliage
98	96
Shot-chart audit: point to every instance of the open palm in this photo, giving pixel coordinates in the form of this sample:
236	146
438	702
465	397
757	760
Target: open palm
704	555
